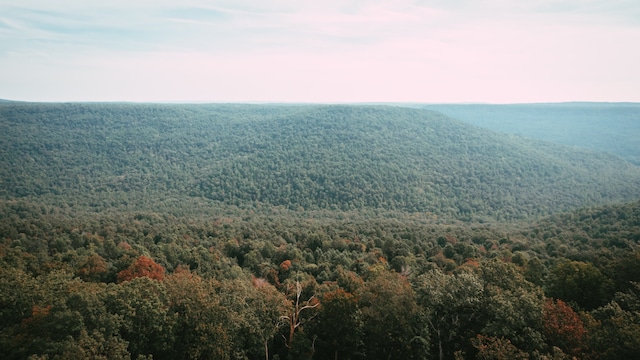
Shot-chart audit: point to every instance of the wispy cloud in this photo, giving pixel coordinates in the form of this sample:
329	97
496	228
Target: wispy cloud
354	50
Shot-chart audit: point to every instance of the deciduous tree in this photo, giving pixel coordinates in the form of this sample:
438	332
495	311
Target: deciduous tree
142	267
563	327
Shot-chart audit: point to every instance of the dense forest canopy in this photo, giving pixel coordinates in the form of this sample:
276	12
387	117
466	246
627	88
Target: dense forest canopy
611	127
298	157
145	231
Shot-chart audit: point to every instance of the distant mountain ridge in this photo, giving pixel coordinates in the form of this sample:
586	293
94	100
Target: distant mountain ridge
298	157
611	127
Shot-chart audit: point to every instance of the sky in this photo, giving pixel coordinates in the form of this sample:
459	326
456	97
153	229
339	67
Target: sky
322	51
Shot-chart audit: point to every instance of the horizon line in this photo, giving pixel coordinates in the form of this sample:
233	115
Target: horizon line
249	102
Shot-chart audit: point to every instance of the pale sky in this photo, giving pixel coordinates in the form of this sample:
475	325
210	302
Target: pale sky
496	51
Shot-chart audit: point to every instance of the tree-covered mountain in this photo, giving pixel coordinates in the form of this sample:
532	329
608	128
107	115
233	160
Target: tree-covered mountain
297	157
133	231
611	127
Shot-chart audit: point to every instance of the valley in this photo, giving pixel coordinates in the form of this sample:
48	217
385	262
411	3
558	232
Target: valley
233	231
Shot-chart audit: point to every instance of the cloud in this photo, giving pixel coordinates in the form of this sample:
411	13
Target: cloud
286	50
204	26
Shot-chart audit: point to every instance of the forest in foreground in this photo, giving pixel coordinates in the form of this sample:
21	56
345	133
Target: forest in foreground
139	231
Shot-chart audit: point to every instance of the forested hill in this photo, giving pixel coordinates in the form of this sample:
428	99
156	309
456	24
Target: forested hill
138	231
612	127
298	157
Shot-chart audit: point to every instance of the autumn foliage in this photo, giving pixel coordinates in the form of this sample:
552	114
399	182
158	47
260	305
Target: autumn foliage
563	327
93	268
143	266
285	265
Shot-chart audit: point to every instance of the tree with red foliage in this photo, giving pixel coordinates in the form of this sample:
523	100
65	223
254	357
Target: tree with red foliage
143	266
563	327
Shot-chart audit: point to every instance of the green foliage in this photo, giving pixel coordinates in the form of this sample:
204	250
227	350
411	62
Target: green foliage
611	127
207	306
454	304
181	158
201	326
579	283
494	348
391	319
143	305
178	232
339	327
617	333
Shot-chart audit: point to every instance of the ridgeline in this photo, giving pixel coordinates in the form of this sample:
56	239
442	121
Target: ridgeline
109	156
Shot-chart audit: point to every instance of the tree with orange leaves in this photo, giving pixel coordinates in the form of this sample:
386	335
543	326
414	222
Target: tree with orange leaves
142	267
563	327
285	265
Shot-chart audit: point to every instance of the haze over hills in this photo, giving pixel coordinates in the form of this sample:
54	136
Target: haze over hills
312	157
611	127
133	231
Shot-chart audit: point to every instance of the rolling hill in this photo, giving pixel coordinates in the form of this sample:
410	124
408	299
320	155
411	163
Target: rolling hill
611	127
136	231
311	157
